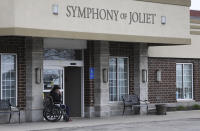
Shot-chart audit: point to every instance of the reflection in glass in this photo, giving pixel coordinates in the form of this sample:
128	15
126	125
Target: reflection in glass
52	77
112	80
118	78
184	81
62	54
122	77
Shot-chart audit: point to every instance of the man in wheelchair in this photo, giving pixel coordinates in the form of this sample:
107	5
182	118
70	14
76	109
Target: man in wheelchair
53	107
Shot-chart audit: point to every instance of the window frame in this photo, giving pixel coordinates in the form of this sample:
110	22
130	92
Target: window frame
117	76
183	82
16	66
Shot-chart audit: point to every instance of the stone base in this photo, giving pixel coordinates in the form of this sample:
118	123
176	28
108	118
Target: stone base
4	118
34	115
89	112
102	111
143	109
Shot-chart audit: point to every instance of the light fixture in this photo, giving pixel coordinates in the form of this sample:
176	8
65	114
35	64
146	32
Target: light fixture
158	75
105	75
37	75
55	9
163	20
144	75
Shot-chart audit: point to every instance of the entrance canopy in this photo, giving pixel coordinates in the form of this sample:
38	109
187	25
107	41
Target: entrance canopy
149	21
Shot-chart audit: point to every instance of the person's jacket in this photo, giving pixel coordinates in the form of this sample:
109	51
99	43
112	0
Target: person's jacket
56	97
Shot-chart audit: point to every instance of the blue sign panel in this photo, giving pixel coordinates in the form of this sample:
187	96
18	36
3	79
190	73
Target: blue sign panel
91	73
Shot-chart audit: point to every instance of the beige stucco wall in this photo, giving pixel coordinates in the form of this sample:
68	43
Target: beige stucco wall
183	51
37	14
6	13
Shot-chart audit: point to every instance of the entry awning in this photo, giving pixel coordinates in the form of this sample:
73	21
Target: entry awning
146	21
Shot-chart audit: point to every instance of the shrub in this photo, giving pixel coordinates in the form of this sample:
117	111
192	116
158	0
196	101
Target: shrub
181	108
196	107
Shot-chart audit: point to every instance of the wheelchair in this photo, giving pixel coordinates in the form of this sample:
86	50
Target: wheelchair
53	112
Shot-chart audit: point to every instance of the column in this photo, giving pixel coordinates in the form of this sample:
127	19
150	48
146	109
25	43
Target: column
101	89
141	63
34	91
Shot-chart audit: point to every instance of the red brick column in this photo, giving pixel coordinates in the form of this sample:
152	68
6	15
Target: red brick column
11	44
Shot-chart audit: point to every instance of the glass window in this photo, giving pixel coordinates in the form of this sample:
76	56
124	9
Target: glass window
118	78
184	81
52	77
62	54
8	78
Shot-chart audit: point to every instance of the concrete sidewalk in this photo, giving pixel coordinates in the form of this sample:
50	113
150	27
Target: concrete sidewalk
84	122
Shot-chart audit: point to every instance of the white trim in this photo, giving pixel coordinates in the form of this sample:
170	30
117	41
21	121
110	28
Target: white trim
82	92
82	88
185	100
53	67
16	80
63	84
192	82
1	76
62	63
49	90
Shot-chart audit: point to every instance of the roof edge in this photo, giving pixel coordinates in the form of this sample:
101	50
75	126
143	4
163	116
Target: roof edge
18	31
172	2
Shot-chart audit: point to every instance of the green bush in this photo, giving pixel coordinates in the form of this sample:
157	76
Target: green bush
181	108
196	107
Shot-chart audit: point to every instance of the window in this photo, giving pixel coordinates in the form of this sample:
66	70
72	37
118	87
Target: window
51	77
184	81
118	78
8	78
62	54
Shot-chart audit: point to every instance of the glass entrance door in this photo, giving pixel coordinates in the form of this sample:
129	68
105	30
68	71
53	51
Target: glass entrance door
51	77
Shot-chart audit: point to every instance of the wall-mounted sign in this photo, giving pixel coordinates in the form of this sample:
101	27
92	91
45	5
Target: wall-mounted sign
110	15
91	71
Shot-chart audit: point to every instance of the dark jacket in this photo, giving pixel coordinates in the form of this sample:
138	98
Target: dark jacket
56	97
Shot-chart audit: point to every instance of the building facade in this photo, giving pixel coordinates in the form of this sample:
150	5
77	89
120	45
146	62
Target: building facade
97	52
179	66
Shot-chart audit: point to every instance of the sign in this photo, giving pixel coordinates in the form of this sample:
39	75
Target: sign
91	73
110	15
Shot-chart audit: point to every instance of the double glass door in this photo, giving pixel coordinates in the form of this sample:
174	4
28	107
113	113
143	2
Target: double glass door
118	78
53	76
184	81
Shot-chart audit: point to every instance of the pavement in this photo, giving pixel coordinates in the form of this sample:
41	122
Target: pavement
173	121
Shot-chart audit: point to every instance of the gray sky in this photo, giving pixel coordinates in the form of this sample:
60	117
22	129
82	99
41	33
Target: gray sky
195	5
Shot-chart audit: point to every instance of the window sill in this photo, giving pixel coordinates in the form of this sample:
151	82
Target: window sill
185	100
115	102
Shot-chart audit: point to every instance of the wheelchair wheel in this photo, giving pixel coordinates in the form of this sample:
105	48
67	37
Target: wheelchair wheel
52	114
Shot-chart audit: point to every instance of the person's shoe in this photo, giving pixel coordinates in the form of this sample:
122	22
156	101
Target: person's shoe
70	120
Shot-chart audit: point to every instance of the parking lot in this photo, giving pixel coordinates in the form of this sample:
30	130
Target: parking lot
190	124
173	121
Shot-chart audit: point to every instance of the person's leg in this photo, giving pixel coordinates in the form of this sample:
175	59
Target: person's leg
66	116
67	110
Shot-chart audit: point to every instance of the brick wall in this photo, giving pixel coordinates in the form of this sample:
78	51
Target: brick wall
116	49
165	91
16	45
196	79
88	84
